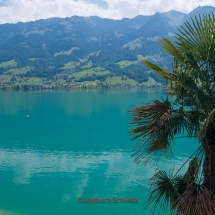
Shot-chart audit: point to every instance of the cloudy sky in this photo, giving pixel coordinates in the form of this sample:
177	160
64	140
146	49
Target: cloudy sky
12	11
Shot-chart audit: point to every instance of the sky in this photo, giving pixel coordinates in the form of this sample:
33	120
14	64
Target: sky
13	11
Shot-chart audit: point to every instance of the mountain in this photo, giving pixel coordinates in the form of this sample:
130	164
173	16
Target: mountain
157	26
199	10
174	18
44	48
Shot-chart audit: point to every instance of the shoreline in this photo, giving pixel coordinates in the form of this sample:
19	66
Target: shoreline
83	87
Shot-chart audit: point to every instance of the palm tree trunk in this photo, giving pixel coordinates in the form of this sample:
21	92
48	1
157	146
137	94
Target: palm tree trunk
209	162
209	169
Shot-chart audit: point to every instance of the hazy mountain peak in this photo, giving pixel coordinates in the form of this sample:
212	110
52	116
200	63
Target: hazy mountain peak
200	10
175	18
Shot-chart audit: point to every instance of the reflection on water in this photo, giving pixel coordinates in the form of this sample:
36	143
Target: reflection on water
117	165
115	172
73	144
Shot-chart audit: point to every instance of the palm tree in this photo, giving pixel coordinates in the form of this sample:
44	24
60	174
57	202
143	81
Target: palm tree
188	111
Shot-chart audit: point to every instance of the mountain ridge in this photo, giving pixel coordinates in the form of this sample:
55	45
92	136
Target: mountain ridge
47	47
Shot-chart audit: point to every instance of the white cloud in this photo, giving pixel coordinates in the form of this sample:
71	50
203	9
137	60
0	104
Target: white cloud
12	11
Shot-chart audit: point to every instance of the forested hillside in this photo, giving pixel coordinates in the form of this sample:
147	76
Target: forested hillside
102	48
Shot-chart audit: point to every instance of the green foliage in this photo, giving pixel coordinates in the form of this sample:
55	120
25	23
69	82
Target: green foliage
48	46
166	189
93	78
10	63
137	71
125	63
13	79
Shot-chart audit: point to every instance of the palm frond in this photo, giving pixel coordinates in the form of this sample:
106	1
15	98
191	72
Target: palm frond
191	87
161	72
155	126
194	119
184	86
166	189
191	175
197	35
152	130
196	200
155	114
171	49
209	121
180	185
162	192
193	170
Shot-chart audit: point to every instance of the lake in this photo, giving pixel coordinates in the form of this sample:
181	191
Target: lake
59	150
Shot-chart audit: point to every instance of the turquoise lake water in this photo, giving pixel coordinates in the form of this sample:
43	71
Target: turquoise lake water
74	144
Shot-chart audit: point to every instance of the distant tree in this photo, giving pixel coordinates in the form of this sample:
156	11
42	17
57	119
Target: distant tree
13	79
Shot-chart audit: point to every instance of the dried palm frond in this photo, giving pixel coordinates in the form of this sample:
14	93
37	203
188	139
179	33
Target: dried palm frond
155	114
156	125
196	200
151	129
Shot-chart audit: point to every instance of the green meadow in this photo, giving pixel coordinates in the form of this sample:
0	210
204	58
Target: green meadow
11	63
